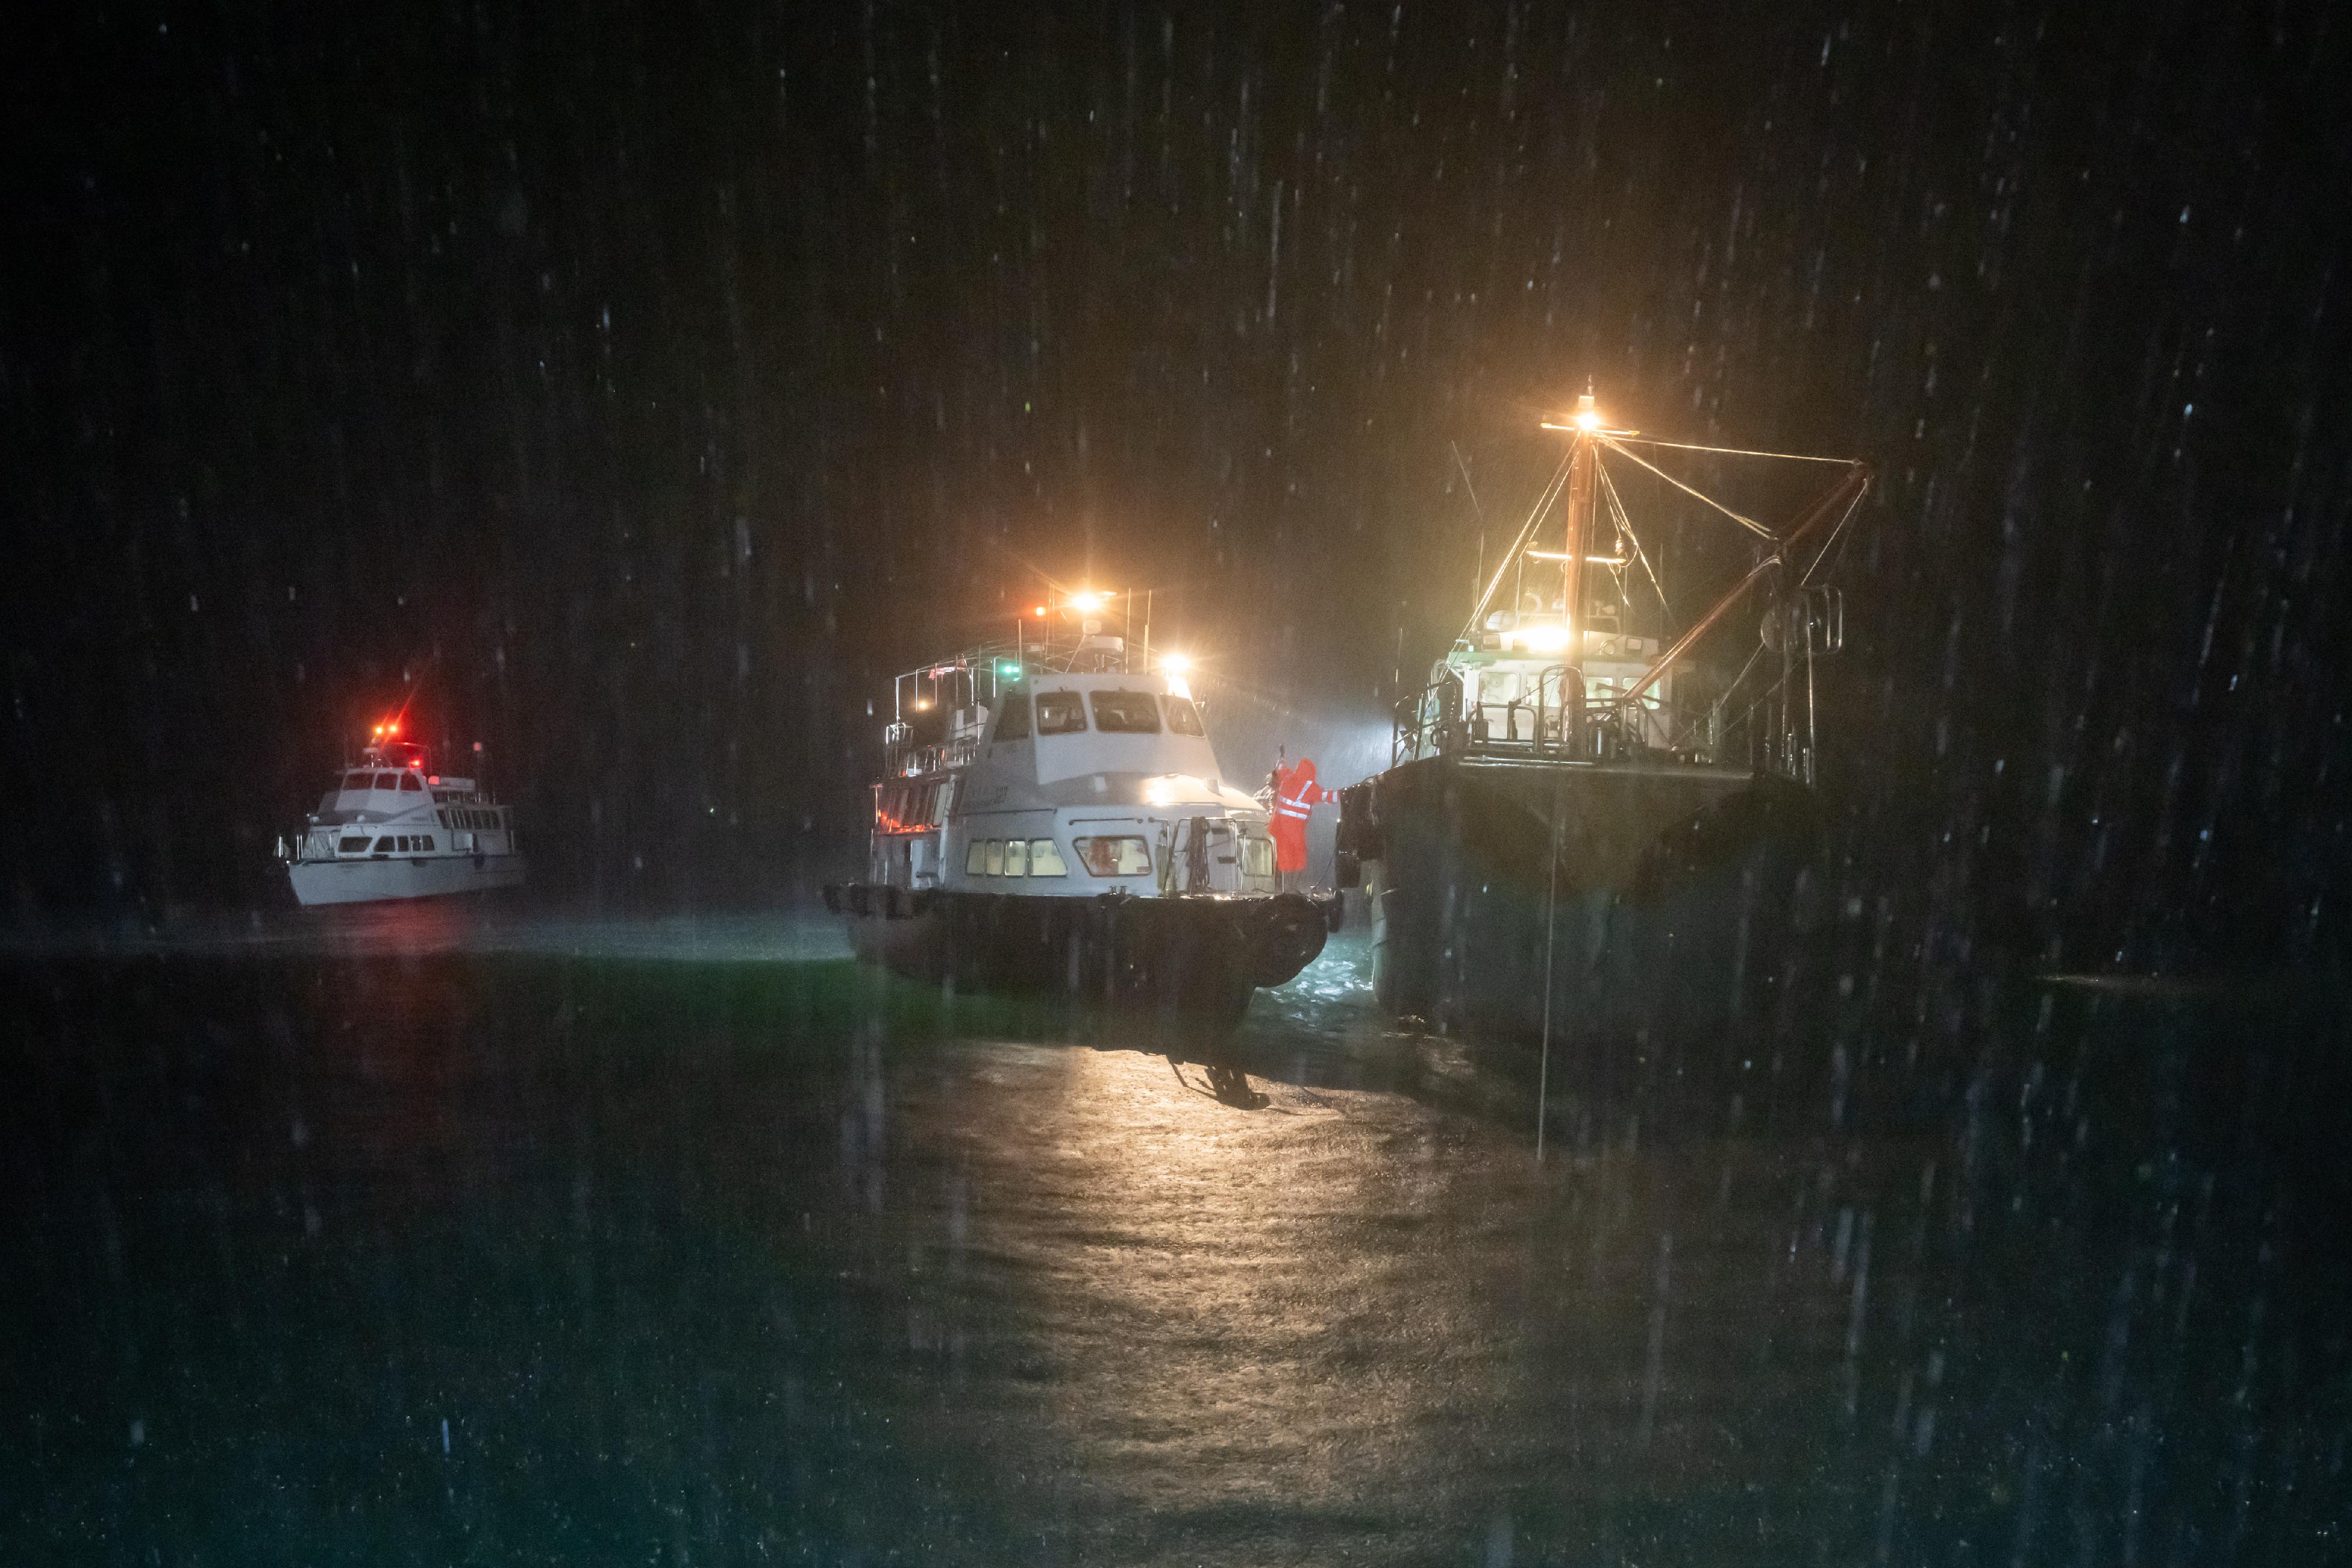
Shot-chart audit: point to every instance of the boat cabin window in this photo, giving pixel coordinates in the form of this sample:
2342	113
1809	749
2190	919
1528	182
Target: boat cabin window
975	859
353	846
1013	723
387	780
355	780
1060	713
383	846
1046	859
1016	857
1184	718
1257	857
408	782
1124	856
995	865
1127	712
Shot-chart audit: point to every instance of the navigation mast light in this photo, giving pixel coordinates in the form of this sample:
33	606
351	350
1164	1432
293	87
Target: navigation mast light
1086	604
1175	664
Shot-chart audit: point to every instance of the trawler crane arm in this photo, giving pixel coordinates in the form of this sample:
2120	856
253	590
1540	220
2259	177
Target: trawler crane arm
1839	500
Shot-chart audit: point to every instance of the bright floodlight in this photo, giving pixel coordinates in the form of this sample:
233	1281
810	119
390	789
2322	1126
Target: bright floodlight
1086	602
1586	419
1175	664
1544	639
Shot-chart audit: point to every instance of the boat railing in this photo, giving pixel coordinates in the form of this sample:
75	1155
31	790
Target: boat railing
1555	720
906	761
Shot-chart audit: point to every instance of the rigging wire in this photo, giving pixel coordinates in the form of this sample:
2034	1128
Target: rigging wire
1746	522
1835	535
1733	451
1476	510
1617	510
1527	531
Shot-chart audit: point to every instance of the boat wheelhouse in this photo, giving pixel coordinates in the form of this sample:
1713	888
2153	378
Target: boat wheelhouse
1053	816
391	827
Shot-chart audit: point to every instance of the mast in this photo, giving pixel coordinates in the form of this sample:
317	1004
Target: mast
1583	461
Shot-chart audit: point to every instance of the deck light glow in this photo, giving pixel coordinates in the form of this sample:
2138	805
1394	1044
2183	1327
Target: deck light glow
1544	639
1086	604
1175	664
1586	419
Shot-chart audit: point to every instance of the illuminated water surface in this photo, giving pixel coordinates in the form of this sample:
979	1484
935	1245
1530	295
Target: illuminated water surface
437	1237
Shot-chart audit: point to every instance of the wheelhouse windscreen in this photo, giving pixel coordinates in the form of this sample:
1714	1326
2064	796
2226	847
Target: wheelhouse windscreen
1127	712
1060	713
1184	718
1013	720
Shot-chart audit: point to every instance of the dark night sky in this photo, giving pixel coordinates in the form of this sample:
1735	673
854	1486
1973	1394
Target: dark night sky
647	383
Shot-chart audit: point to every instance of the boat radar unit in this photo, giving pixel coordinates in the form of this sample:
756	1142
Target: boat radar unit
1053	817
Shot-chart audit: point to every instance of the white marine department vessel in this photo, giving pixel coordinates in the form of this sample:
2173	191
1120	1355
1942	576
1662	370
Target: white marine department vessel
1053	817
391	828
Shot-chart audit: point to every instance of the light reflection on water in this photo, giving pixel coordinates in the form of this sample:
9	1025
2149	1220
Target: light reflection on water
708	1243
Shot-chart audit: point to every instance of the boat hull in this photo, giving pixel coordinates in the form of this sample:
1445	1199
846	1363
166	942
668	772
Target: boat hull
1199	958
1668	915
371	880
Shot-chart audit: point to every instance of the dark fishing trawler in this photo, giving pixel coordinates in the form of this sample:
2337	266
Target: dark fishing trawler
1584	831
1053	819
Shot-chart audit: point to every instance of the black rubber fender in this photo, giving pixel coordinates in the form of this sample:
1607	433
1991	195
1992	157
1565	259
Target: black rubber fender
1279	936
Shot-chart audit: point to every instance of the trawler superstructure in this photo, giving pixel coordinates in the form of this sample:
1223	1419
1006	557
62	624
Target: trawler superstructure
1053	817
1582	828
391	827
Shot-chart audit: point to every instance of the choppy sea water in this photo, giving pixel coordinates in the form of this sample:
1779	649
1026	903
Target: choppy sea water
442	1236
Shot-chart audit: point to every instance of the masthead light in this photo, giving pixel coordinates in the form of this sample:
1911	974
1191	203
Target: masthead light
1175	664
1586	419
1086	604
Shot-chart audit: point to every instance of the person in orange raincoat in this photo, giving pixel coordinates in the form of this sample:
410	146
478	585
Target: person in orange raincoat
1294	791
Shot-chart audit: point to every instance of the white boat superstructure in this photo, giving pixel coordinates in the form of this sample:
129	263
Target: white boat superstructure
389	827
1066	784
1053	817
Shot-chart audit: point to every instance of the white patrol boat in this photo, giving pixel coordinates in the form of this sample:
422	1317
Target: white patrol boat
1053	817
389	827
